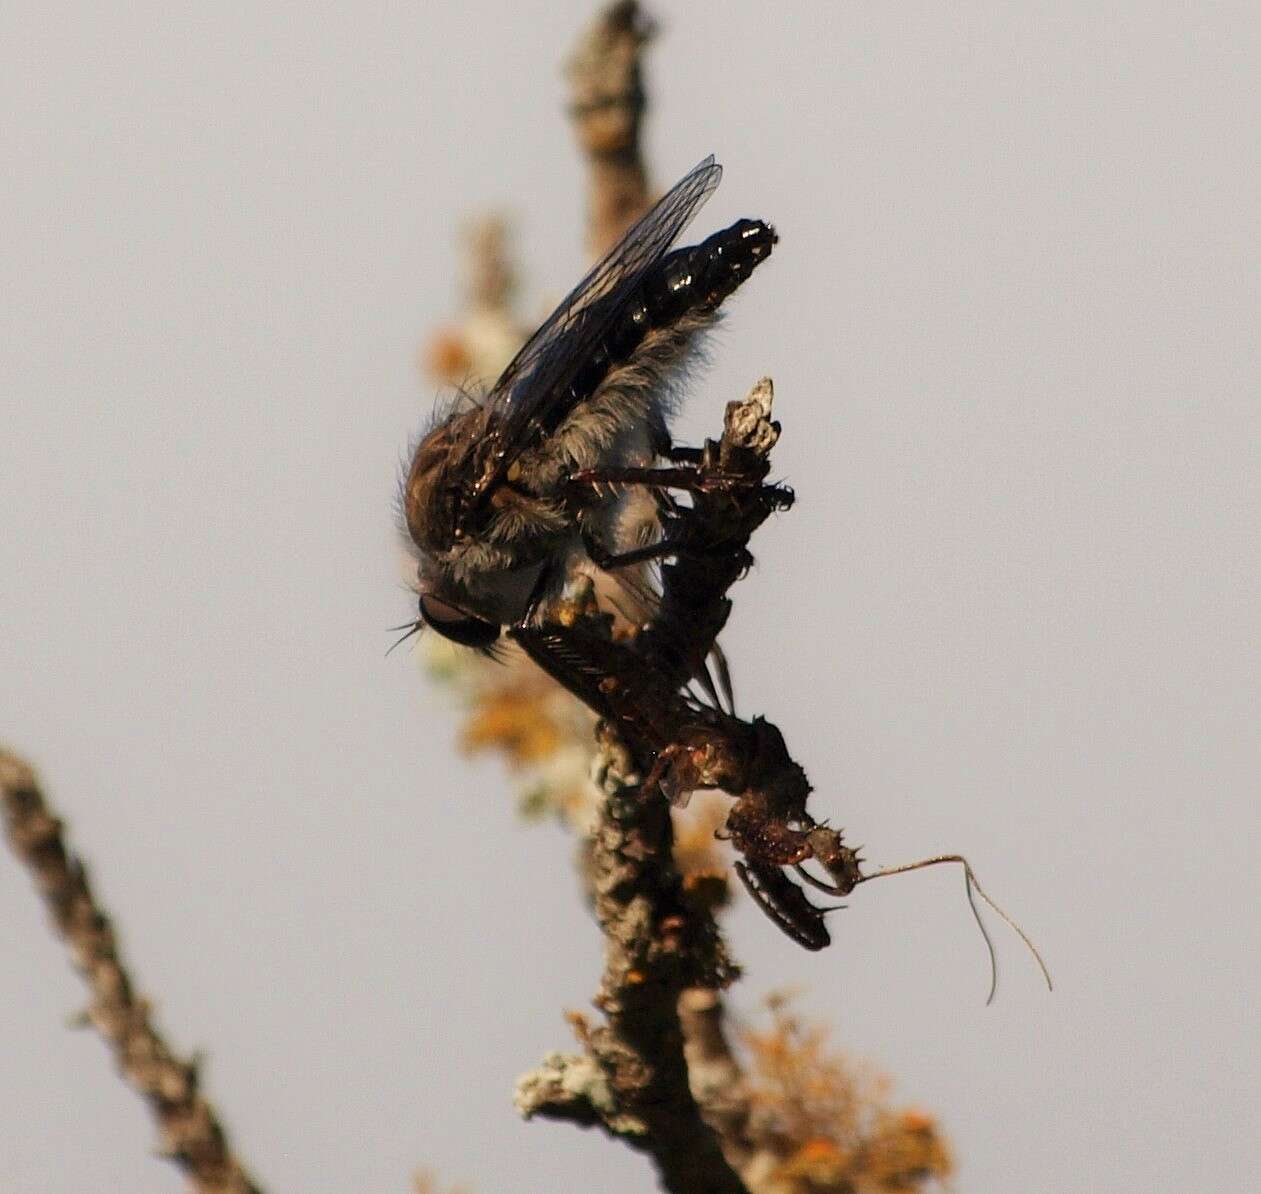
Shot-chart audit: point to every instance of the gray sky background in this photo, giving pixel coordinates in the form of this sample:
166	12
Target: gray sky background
1013	328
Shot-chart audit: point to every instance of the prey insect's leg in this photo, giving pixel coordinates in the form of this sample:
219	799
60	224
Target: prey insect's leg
661	769
662	764
542	586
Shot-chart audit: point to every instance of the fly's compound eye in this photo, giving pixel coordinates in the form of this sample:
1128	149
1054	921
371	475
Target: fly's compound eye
456	625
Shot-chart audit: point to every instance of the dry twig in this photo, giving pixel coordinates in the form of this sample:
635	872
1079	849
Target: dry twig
191	1133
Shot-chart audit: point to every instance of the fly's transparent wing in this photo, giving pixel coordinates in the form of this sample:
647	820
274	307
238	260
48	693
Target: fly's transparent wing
533	390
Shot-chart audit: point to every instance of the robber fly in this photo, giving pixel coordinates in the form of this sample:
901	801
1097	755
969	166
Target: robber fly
504	499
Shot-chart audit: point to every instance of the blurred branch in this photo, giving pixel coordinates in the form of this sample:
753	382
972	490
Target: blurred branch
715	1074
488	334
491	280
191	1133
607	109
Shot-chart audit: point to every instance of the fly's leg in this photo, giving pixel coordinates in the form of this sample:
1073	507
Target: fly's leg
542	586
601	557
665	447
690	480
695	475
698	480
693	479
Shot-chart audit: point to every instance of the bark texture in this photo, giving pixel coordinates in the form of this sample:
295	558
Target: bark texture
190	1131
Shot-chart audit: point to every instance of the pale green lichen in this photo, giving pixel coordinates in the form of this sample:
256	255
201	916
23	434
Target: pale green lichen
573	1086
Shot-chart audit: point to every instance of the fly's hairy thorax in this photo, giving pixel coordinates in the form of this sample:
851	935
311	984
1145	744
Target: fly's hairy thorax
529	515
510	527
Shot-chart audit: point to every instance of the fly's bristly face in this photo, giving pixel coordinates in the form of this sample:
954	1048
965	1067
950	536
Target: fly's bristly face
488	502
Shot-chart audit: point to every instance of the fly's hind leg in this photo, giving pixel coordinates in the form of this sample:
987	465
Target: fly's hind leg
665	447
542	589
688	479
601	557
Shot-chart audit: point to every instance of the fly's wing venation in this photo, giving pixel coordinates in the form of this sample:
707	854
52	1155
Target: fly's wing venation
531	394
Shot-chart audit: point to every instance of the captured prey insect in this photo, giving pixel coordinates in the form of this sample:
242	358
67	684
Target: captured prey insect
636	681
694	746
687	745
505	500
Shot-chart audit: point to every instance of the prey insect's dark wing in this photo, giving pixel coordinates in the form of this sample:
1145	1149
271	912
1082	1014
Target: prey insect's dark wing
559	652
785	903
532	392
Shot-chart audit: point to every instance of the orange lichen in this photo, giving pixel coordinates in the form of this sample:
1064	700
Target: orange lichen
829	1120
542	732
514	721
426	1182
446	357
903	1152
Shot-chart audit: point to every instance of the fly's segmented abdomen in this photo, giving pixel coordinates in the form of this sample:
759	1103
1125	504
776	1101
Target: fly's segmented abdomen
698	278
695	279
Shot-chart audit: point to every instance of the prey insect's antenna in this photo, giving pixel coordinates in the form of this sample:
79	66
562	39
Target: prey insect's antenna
972	885
411	627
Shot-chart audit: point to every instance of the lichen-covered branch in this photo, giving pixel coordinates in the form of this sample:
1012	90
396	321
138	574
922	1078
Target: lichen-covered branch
607	107
633	1079
575	1088
191	1132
